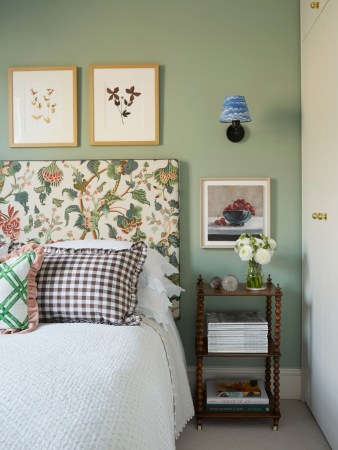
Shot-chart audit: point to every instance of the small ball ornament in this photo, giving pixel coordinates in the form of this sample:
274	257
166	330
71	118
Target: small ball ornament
230	283
216	282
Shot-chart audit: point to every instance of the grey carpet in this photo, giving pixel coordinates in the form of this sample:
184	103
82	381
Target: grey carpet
297	430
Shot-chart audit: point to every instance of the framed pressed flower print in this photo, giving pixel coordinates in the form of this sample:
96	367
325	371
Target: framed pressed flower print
232	206
42	106
124	104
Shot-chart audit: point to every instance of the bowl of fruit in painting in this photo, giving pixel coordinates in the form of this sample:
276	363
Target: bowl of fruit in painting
238	217
239	212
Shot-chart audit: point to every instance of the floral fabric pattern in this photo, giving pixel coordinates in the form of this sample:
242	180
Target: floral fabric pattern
50	201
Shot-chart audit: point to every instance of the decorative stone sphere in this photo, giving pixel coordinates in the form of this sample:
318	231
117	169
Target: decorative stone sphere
230	283
216	282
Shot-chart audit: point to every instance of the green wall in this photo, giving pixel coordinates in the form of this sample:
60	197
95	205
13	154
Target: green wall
206	50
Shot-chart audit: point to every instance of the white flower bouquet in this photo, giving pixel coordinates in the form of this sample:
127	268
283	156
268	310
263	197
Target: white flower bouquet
260	249
257	251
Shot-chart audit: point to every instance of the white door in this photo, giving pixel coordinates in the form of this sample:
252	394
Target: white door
320	239
310	12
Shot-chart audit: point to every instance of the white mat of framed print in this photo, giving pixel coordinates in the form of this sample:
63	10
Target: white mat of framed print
232	206
42	106
124	104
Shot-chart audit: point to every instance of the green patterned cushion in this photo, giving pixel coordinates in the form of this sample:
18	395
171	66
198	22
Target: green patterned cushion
13	289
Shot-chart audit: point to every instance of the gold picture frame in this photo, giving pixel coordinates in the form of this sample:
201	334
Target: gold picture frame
42	103
124	104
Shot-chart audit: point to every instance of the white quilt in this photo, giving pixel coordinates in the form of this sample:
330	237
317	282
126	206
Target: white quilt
87	386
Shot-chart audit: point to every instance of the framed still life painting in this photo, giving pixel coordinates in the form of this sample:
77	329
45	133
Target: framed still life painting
124	104
42	105
232	206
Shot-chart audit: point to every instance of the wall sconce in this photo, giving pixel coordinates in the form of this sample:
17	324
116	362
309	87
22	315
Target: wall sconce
235	110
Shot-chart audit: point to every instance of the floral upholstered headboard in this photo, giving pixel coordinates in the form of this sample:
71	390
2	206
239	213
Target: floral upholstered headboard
49	201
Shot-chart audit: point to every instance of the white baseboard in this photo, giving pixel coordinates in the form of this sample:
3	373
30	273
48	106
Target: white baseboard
290	379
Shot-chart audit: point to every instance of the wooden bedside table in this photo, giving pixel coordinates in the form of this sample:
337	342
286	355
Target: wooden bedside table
272	295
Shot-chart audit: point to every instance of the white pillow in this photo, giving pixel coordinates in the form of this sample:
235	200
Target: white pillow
158	284
153	304
159	264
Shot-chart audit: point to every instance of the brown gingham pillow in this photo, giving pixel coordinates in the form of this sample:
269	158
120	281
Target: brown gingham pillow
90	285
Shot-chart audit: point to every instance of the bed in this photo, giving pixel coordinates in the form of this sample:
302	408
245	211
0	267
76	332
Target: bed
95	361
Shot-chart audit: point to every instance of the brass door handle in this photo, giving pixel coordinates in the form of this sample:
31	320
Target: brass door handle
314	5
319	216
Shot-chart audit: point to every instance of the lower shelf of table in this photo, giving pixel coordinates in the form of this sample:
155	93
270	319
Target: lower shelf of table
275	416
238	415
241	415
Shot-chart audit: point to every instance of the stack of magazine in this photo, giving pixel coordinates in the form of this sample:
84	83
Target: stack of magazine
237	396
237	332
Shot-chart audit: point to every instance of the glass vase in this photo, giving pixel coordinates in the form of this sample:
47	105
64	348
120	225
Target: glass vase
254	278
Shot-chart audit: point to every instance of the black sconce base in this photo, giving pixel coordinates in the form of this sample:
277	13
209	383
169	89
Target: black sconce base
235	131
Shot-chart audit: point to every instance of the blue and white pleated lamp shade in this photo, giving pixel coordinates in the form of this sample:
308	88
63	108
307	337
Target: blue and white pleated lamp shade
235	108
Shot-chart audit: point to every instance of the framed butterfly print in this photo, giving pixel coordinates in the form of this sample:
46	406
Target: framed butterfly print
124	104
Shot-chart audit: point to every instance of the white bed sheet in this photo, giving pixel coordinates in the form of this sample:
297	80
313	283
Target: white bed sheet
86	386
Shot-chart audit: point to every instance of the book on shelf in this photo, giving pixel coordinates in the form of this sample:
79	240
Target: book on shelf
239	345
236	340
214	399
238	388
219	320
237	332
243	332
224	348
237	408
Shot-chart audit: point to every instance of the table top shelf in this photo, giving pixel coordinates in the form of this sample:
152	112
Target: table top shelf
241	291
